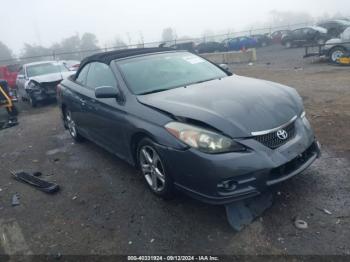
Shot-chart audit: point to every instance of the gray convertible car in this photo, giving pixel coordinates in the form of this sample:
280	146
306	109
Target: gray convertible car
188	124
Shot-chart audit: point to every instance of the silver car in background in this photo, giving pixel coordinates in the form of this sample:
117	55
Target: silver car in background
337	47
38	81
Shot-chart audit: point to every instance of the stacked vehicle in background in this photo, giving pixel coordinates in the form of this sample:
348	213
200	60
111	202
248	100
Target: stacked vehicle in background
337	50
335	27
305	36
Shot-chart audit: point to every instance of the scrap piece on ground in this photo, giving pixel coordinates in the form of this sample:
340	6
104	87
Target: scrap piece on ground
15	200
45	186
300	224
10	123
242	213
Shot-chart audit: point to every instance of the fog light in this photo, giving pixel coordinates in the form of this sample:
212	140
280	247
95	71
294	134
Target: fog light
228	185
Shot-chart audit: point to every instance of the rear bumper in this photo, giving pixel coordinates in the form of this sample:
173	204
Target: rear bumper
248	174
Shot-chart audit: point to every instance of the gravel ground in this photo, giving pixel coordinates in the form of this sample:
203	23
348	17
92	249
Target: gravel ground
104	206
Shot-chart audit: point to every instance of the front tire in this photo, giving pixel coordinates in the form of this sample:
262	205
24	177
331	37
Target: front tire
153	169
336	53
71	126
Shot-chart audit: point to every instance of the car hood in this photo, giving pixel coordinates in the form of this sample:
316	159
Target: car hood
234	105
51	77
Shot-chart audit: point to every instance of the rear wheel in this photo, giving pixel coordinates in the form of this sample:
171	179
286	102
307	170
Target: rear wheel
71	126
336	53
154	170
288	44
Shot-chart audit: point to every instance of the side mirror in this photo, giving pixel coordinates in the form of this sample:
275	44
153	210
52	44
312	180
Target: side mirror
225	67
106	92
20	76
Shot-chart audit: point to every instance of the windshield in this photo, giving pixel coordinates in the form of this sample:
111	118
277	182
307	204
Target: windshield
44	69
157	72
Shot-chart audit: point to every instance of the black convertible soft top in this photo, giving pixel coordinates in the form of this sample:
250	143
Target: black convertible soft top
107	57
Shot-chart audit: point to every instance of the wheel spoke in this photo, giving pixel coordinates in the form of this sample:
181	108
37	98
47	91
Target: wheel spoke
154	181
159	175
147	157
146	168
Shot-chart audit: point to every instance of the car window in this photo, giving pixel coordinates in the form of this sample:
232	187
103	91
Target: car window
81	79
298	32
165	71
100	75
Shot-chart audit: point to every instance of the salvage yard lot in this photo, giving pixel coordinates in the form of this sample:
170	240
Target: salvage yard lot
105	208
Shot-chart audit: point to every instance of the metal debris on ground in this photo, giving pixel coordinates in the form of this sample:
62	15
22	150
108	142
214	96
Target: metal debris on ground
40	184
300	224
37	174
242	213
10	123
327	211
15	200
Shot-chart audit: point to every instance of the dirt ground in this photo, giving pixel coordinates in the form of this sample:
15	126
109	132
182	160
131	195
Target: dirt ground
104	207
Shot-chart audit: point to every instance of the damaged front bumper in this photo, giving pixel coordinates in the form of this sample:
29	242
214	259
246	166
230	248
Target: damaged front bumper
225	178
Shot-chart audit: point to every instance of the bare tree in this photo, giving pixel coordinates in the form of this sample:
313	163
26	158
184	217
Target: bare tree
119	43
168	34
5	52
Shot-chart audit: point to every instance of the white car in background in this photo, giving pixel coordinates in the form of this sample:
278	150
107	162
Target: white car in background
337	47
38	81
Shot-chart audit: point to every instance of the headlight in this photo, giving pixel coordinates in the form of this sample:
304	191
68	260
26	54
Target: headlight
304	119
204	140
33	85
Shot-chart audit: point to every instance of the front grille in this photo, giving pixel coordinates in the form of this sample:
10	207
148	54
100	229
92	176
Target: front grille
294	164
272	141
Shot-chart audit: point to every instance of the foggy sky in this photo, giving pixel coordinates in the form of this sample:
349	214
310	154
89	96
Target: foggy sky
47	21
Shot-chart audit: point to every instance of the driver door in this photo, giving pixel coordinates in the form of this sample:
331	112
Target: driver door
107	116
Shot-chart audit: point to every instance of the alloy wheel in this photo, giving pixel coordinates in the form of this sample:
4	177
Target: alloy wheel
336	54
71	124
152	168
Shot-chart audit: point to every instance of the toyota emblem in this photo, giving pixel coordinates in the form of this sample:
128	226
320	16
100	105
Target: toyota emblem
282	134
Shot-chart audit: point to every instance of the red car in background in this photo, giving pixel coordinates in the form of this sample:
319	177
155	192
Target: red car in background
276	36
9	74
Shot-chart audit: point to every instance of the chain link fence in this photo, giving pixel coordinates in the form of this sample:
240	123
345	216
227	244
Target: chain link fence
80	54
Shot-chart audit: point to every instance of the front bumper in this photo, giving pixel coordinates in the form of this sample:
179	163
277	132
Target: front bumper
249	173
41	95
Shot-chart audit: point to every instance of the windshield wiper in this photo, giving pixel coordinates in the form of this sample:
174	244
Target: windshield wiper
202	81
155	91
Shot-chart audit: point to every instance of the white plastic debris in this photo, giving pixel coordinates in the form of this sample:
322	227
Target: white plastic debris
327	211
300	224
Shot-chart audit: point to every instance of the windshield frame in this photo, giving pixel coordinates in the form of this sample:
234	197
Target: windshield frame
120	71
